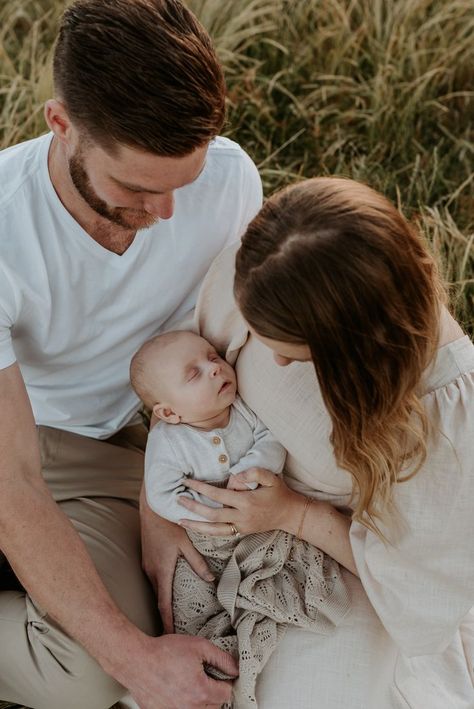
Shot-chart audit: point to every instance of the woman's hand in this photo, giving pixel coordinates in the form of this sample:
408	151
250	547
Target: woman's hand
162	543
273	505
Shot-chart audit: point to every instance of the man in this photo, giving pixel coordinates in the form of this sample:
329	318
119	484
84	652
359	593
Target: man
107	227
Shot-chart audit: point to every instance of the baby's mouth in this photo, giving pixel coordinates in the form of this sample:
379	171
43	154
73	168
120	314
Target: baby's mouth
224	387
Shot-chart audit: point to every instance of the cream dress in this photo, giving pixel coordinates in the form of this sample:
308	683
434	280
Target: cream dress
408	642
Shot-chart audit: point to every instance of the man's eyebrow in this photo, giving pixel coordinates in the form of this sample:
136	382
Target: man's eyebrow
139	188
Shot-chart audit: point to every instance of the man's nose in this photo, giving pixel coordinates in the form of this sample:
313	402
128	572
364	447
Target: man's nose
160	205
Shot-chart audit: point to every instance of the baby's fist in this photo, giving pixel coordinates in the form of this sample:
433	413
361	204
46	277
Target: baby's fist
236	483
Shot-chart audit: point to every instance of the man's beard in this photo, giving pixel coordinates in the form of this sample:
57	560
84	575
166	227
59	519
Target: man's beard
121	216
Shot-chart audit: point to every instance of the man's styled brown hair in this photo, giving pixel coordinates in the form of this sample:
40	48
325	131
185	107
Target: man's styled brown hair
331	263
142	73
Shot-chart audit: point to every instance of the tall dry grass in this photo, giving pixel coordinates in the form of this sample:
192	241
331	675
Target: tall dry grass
378	90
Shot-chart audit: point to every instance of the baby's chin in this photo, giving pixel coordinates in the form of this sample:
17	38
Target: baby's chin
227	397
225	405
217	417
223	402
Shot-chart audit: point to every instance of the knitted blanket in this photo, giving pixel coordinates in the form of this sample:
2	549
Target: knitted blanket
264	582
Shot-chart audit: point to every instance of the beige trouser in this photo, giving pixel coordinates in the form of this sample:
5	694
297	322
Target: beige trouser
97	484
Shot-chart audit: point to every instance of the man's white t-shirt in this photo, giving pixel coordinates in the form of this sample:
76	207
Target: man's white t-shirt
73	313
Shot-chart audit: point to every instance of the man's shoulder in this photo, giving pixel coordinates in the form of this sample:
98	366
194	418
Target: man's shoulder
225	146
229	186
231	180
19	164
225	150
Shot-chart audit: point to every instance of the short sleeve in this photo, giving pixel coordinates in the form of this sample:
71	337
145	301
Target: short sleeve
252	196
422	584
8	315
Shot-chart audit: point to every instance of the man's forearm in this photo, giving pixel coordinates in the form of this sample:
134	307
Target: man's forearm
43	547
54	566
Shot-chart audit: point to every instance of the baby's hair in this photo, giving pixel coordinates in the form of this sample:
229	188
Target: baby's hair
143	370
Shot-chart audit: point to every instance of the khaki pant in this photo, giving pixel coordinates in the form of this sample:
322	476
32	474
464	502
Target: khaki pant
97	485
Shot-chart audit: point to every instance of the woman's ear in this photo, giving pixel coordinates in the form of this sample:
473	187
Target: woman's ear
163	412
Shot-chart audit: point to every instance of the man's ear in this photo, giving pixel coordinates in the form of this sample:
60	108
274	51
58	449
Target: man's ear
163	412
58	120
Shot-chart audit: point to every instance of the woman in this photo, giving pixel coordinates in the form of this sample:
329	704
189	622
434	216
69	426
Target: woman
330	272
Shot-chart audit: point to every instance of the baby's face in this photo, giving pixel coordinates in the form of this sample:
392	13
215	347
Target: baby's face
198	383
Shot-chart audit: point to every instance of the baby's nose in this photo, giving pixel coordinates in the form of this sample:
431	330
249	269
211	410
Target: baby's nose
215	368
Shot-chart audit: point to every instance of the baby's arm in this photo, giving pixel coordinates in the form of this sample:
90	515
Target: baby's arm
163	475
266	452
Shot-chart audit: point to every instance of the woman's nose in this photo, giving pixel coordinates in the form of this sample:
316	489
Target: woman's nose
282	361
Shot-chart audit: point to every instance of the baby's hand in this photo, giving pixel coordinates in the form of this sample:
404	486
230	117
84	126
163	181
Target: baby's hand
235	483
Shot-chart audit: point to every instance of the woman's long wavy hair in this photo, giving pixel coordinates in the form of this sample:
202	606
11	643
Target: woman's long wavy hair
331	263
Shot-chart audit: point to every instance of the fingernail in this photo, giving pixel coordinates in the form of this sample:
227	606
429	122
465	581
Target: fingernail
210	577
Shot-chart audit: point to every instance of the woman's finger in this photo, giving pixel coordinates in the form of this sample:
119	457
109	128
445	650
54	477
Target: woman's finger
224	529
225	496
213	514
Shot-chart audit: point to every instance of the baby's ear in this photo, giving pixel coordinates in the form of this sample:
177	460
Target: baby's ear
164	413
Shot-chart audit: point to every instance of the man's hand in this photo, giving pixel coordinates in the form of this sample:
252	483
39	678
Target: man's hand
167	673
162	543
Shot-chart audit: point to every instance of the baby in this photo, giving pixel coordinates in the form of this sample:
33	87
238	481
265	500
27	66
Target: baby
207	433
263	581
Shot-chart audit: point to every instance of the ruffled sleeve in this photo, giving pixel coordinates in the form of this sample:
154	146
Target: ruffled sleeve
422	585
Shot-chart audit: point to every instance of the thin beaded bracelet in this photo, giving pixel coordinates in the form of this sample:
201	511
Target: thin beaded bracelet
306	506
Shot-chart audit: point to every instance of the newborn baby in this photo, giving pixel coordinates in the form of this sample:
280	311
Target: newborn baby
207	433
263	581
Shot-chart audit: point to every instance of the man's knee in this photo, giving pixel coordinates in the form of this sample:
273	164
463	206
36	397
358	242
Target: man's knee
67	676
80	685
42	667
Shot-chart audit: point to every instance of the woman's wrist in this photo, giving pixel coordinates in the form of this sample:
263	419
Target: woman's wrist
294	513
319	523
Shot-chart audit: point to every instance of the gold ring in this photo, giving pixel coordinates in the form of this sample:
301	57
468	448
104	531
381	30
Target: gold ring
234	530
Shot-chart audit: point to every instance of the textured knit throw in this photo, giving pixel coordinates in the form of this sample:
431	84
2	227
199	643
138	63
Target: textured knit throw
264	582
